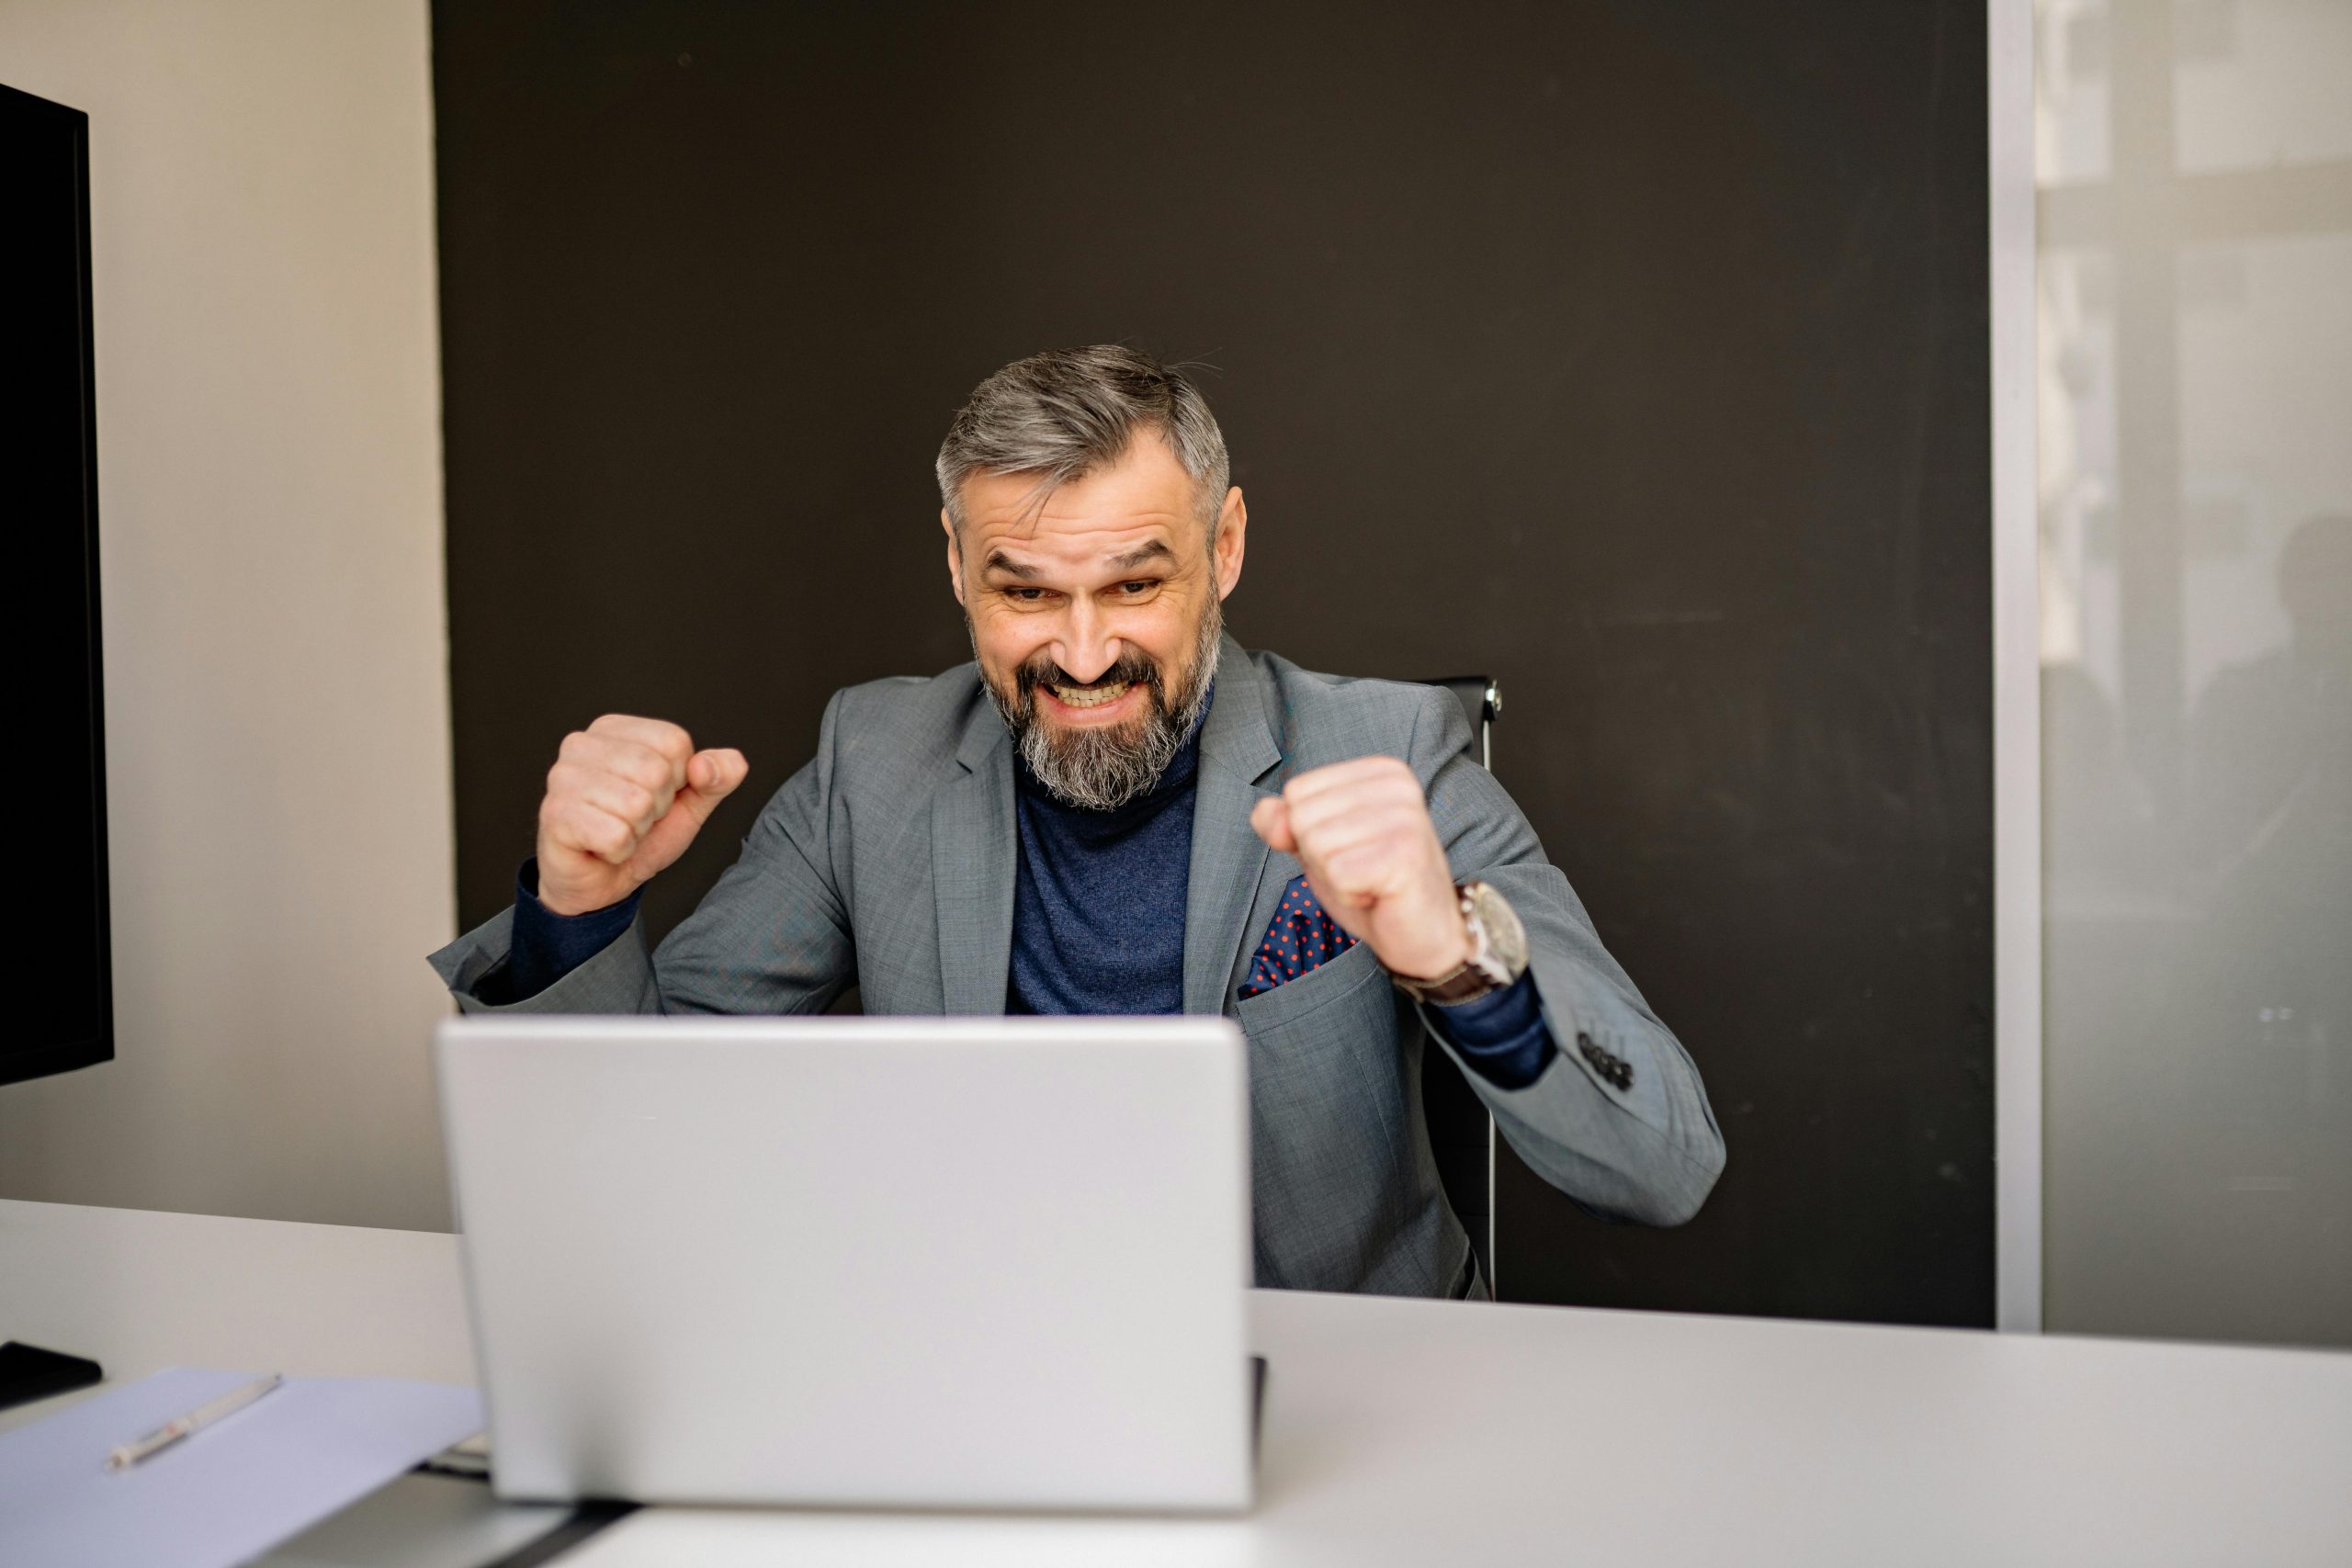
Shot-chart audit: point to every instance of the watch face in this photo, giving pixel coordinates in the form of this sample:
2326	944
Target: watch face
1506	938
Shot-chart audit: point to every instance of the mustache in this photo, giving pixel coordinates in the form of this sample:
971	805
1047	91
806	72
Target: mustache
1132	668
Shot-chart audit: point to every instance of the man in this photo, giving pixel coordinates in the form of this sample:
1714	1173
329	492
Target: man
1115	809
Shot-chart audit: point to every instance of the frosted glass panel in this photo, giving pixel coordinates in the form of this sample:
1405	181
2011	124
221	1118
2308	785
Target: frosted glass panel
2258	82
2195	403
2070	138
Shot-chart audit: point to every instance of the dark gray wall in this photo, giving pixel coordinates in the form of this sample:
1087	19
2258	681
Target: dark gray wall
1632	352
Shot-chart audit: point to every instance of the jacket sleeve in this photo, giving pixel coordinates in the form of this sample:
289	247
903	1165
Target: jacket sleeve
771	937
1619	1120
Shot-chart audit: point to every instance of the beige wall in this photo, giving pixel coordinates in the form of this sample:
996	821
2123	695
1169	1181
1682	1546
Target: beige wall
275	647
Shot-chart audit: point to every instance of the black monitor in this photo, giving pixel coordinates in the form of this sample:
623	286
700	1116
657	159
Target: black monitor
60	1009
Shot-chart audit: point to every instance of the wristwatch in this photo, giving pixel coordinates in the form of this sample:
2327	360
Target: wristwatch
1497	951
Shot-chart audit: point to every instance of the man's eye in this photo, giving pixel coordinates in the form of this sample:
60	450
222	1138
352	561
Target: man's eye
1136	589
1026	595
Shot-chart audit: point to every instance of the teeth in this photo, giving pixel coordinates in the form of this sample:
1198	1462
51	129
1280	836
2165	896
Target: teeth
1091	696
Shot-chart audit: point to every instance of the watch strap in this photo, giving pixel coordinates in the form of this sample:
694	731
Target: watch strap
1463	983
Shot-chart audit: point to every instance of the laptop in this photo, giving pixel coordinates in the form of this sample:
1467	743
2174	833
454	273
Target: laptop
857	1261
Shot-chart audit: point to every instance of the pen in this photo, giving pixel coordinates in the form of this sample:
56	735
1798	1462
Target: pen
196	1420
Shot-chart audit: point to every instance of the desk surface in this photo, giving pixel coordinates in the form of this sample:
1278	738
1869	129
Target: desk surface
1413	1432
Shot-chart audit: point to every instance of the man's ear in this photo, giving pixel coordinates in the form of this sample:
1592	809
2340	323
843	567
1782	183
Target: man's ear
1232	523
955	557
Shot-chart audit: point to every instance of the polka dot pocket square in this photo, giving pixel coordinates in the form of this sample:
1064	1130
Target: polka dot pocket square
1303	937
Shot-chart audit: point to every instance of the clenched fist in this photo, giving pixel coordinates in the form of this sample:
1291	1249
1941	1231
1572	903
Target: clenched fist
625	798
1362	834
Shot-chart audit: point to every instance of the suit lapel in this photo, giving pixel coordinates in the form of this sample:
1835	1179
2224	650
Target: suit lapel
1228	859
973	859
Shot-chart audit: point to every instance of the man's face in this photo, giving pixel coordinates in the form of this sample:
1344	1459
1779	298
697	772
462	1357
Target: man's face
1095	615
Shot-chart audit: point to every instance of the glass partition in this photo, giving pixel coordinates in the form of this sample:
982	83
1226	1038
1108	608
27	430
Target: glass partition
2195	405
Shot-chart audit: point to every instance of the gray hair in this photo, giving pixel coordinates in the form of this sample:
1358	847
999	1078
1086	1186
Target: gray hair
1066	412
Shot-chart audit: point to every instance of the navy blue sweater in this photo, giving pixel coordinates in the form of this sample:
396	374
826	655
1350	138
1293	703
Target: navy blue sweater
1098	903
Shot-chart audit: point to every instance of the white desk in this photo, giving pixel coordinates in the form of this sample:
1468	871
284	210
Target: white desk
1415	1432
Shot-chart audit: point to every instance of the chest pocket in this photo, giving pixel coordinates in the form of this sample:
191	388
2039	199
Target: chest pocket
1330	1146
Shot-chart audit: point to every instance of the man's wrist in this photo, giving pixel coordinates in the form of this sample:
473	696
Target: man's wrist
1496	956
528	880
545	947
1464	947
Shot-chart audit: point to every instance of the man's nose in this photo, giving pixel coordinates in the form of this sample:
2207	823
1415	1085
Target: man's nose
1086	648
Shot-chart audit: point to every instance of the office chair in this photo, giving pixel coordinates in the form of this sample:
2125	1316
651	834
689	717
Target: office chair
1461	1135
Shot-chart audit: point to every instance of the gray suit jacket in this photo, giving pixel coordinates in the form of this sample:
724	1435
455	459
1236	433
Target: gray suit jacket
889	862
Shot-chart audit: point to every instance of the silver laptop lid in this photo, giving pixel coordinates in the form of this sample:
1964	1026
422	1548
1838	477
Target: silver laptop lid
937	1262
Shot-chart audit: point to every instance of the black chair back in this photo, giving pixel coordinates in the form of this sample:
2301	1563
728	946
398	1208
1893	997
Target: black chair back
1461	1135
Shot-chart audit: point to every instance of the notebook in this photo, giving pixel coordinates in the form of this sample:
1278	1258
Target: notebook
226	1493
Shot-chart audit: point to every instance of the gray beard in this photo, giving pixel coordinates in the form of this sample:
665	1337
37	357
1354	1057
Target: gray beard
1102	770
